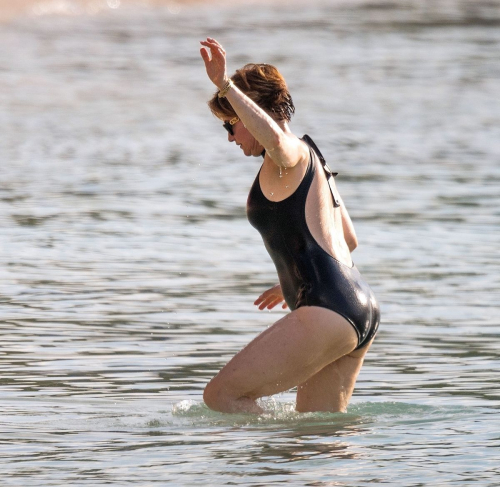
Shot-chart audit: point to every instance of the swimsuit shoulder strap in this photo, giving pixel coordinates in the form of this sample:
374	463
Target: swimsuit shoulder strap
329	174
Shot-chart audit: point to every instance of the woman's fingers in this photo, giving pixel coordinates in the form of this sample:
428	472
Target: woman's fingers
263	302
267	304
205	56
213	41
269	301
214	46
273	303
263	297
270	298
214	51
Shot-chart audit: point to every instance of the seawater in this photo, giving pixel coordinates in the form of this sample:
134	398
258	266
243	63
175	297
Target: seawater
128	269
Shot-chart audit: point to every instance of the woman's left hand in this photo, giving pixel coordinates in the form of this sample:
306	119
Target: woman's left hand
215	63
270	298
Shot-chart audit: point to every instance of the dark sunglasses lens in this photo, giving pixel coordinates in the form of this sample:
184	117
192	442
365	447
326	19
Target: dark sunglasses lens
228	127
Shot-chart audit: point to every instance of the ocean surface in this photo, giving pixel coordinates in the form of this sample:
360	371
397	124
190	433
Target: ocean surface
128	269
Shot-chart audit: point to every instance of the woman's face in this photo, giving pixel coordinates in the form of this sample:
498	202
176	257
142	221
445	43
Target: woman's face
247	142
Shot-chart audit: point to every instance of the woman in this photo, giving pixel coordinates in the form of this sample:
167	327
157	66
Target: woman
320	345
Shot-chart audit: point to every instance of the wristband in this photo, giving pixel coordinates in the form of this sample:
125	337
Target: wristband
223	91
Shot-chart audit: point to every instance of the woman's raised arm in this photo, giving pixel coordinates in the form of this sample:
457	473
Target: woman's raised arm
284	148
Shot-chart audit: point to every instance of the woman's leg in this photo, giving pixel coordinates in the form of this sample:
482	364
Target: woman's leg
332	387
288	353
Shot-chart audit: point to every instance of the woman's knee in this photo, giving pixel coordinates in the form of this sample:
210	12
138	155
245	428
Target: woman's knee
216	395
210	395
220	397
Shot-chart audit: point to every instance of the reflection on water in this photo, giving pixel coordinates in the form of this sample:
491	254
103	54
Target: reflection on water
128	269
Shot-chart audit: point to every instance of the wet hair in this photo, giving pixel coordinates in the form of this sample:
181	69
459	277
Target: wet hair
264	85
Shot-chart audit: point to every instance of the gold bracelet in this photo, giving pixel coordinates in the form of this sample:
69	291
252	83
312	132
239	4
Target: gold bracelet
223	91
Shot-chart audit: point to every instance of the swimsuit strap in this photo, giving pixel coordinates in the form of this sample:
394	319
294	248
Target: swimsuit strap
329	174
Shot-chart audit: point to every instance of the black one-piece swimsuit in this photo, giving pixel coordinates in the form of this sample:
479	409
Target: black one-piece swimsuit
310	276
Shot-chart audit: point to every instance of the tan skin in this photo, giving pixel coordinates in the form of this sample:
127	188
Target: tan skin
312	348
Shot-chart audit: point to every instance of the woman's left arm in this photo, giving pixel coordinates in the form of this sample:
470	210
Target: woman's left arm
285	149
348	228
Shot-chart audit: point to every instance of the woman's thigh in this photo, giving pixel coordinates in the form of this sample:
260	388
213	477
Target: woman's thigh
287	354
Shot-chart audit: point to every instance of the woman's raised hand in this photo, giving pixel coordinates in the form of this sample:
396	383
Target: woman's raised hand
270	298
215	62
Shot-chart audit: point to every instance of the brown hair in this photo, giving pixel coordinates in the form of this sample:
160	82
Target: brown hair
264	85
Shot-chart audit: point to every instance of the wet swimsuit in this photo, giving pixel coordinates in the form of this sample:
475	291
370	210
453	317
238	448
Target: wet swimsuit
310	276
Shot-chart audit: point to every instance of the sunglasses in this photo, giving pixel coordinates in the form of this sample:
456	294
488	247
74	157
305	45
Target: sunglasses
229	125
